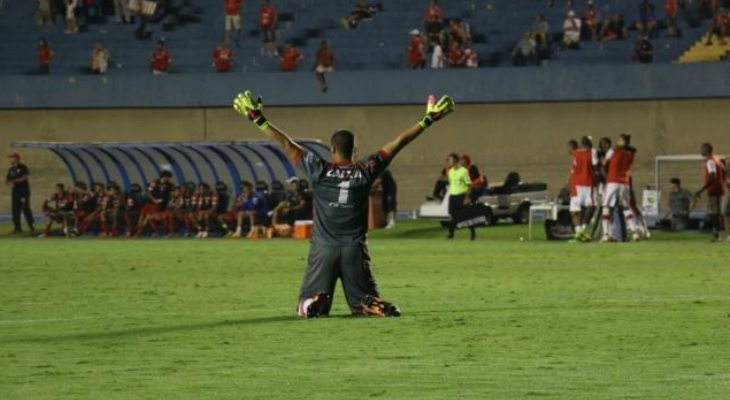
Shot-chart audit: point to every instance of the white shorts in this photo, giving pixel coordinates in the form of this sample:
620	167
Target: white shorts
585	197
617	195
321	69
233	21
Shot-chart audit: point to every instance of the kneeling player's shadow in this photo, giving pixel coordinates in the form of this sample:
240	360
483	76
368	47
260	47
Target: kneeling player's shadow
151	330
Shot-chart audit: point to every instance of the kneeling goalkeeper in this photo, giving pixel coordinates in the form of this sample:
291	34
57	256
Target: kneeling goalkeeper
341	193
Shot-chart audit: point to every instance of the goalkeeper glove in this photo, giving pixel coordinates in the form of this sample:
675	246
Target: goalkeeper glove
436	111
244	104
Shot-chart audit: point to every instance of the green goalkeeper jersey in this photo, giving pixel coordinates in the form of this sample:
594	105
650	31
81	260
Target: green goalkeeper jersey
341	196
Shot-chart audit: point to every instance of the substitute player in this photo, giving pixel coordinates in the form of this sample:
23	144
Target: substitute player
339	248
714	177
341	194
619	161
583	188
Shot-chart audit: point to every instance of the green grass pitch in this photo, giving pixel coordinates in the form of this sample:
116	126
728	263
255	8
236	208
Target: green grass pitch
493	319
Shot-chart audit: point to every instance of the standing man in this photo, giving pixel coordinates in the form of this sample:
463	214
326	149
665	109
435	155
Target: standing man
583	200
341	197
233	20
268	18
618	163
324	61
714	177
17	179
459	199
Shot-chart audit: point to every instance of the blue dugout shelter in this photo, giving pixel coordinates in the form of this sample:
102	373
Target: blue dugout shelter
128	163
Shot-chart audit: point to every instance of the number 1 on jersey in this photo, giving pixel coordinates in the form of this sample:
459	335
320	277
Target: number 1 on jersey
344	192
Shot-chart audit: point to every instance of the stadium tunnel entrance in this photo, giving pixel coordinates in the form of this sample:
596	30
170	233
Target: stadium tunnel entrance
142	162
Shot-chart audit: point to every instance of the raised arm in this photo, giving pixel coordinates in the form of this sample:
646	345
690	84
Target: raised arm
434	112
245	104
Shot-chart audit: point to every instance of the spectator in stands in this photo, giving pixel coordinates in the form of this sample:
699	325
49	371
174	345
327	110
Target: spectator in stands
470	59
647	24
643	50
290	58
233	20
459	32
615	29
433	22
268	18
17	180
720	27
437	55
99	59
524	52
223	58
670	9
43	15
121	12
571	31
45	54
590	21
362	11
416	53
72	26
324	62
454	57
85	6
541	30
680	205
161	60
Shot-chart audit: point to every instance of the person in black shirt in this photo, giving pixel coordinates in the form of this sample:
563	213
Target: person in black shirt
17	179
643	51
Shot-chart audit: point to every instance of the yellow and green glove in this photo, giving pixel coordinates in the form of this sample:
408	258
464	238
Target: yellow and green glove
245	104
435	111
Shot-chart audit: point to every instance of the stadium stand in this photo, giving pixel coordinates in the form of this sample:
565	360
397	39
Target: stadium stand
192	30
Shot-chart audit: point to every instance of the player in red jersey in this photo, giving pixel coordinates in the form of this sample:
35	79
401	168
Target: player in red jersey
94	207
158	196
206	203
112	209
58	208
714	178
618	163
583	187
133	203
83	204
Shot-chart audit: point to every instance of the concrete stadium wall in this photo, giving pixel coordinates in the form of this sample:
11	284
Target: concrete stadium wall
526	137
486	85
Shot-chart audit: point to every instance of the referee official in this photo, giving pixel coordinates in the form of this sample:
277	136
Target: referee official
459	200
17	179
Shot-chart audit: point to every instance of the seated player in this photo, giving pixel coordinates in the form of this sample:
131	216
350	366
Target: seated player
59	208
224	200
253	210
206	203
112	210
83	204
158	196
290	209
439	188
228	219
94	215
184	209
133	203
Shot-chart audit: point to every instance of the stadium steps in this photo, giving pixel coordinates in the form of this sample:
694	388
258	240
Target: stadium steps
701	52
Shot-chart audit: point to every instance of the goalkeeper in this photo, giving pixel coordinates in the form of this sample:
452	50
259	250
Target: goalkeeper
341	193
